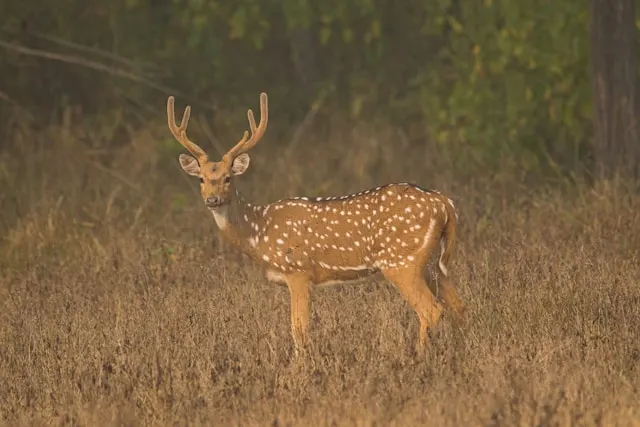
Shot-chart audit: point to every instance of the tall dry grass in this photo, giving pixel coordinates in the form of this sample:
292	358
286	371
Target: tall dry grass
121	306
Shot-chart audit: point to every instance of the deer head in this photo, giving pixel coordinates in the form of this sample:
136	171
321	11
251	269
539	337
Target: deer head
216	178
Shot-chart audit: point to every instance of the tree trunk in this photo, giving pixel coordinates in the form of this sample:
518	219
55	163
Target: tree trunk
614	62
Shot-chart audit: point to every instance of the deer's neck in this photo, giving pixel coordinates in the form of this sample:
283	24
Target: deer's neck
238	220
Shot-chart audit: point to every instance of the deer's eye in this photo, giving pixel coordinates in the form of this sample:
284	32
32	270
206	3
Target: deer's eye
201	180
227	180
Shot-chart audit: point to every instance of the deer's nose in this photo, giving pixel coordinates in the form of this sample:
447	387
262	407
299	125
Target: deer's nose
213	201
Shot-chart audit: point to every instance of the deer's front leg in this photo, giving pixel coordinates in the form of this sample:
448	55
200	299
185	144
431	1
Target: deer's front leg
300	308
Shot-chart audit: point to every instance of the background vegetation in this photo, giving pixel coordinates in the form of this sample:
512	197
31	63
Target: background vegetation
492	81
120	305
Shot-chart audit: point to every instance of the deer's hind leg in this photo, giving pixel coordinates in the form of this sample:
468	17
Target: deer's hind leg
411	283
450	297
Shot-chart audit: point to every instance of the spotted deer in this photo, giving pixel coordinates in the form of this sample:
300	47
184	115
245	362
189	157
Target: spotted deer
307	241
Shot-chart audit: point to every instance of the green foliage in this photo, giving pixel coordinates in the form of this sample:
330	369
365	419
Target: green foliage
491	80
517	83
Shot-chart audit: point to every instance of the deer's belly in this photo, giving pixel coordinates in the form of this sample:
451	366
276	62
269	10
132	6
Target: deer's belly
332	277
276	276
321	276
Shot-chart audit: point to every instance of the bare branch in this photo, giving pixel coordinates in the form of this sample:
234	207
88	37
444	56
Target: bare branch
115	174
204	124
76	60
88	49
7	98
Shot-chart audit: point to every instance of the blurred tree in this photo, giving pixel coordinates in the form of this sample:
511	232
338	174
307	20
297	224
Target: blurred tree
614	57
493	82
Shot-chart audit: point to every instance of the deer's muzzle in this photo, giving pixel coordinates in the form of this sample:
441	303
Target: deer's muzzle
213	202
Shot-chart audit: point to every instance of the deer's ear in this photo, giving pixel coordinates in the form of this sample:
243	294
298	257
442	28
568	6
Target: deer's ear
240	164
189	164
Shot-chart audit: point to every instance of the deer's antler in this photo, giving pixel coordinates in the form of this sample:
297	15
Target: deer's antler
246	143
180	132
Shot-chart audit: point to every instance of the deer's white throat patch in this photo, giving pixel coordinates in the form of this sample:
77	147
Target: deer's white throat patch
221	216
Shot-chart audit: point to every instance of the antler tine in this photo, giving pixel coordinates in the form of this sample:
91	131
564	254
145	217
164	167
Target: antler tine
180	132
257	132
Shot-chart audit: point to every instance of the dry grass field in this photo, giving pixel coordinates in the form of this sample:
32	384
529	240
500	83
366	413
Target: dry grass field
119	304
